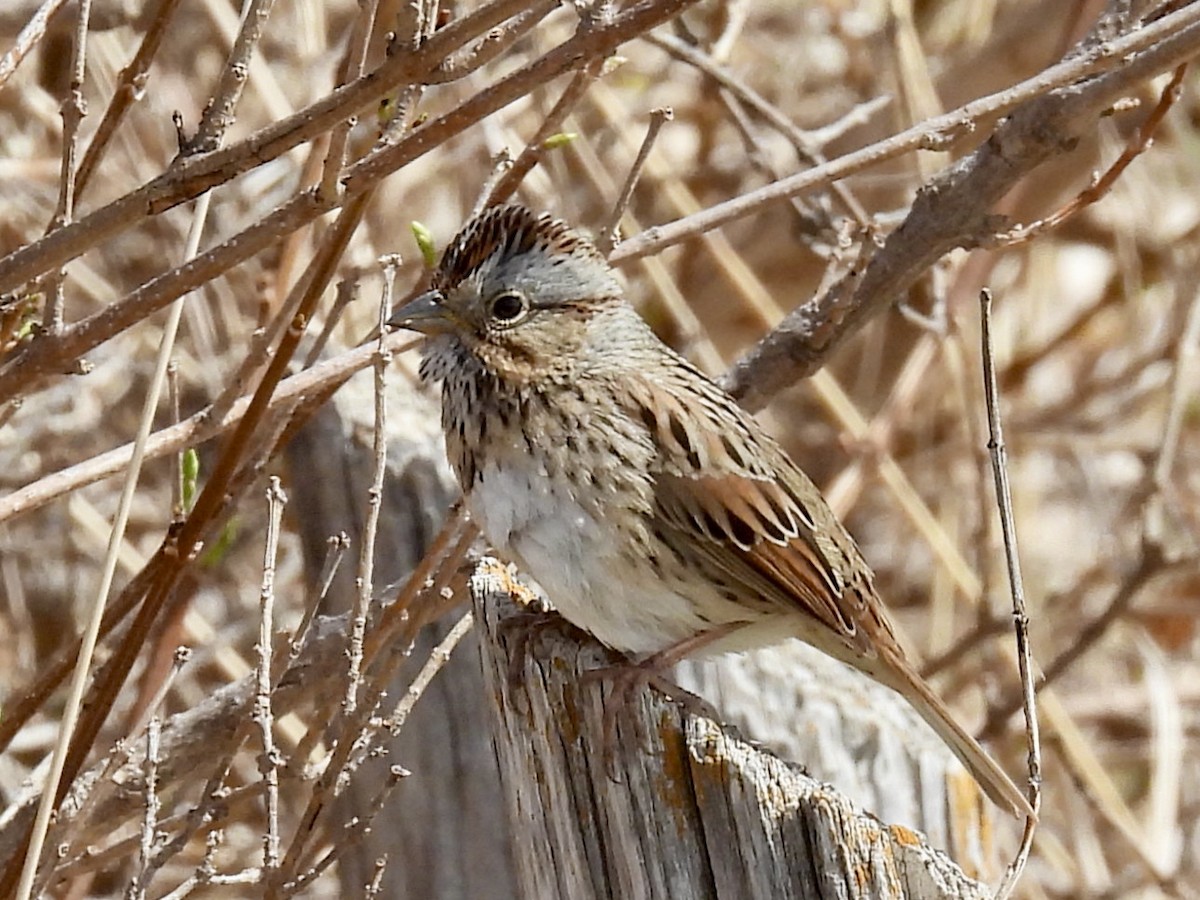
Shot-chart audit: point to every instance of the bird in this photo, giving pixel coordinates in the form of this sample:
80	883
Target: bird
655	512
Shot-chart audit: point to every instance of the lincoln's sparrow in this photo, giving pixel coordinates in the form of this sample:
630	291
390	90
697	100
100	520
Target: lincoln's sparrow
654	511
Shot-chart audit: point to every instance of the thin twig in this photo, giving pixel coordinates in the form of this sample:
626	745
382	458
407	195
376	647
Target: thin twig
394	723
469	59
177	458
376	883
34	31
666	291
258	353
353	64
1149	566
438	658
345	294
508	183
804	143
608	235
338	546
149	832
219	113
401	620
999	454
73	109
808	218
1138	144
502	163
268	761
81	800
351	835
1154	560
185	826
1182	389
31	698
984	630
365	582
131	85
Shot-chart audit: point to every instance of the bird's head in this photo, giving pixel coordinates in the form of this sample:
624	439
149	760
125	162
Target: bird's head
518	291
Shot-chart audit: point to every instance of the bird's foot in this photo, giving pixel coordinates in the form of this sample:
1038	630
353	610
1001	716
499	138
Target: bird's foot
625	679
521	629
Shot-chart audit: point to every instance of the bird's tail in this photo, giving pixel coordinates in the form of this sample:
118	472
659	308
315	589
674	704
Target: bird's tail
985	770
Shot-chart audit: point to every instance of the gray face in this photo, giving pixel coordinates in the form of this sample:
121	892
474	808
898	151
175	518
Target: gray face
517	292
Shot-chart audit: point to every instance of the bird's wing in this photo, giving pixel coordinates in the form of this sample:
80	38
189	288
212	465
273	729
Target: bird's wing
731	502
727	495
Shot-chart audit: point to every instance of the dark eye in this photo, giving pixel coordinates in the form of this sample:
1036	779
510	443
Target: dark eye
508	307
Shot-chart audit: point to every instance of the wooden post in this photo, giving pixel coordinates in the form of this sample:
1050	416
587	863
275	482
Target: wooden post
679	806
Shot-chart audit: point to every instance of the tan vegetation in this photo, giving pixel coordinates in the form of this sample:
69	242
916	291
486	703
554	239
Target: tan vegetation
909	193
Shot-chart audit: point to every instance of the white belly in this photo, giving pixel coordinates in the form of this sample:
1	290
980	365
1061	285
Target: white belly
589	576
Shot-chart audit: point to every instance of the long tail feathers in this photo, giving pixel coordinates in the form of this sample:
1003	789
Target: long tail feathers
995	783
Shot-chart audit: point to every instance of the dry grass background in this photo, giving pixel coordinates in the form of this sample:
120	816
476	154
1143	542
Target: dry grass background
1097	325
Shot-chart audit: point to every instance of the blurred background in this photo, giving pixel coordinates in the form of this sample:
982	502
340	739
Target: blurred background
1097	328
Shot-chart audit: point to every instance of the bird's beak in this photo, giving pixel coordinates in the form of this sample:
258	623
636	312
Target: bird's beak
425	313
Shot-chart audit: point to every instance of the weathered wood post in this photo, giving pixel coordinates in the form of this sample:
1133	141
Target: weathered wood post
680	806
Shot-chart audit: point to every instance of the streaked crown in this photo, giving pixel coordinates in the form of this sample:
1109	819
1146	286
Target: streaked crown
517	291
514	247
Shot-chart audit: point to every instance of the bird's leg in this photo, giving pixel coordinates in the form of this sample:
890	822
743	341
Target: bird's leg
649	672
519	630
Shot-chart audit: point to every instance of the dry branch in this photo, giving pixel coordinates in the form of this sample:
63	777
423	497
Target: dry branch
196	174
956	208
1092	358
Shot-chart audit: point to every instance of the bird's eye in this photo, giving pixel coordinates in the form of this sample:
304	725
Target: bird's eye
508	307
